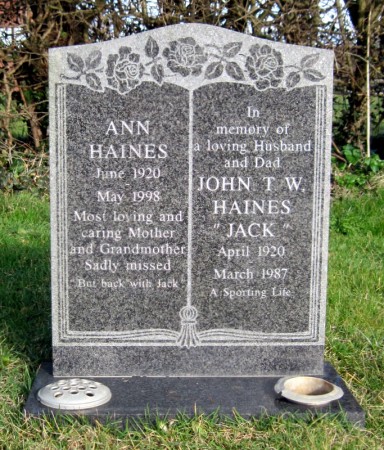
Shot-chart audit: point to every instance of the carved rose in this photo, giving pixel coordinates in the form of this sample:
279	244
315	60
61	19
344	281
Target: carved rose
124	70
185	57
265	66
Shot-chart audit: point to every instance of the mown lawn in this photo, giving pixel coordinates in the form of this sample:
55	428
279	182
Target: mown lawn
355	345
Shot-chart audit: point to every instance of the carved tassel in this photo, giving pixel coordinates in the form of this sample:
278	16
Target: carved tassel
188	335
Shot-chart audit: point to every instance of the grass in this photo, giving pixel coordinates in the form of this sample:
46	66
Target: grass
355	300
355	345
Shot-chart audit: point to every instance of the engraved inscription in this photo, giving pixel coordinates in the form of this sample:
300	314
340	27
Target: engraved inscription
194	190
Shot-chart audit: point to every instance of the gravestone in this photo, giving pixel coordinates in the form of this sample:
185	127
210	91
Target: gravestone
190	172
190	183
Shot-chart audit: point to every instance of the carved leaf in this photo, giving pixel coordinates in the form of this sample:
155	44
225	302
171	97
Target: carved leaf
232	49
309	60
292	79
313	75
214	70
93	81
93	59
75	62
151	48
234	71
157	72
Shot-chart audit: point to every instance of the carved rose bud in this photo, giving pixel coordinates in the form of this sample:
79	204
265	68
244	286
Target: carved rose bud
185	57
124	70
265	66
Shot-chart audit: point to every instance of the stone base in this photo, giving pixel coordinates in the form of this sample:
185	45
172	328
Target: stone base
140	397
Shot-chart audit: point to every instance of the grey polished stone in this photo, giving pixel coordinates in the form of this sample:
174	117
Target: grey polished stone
190	194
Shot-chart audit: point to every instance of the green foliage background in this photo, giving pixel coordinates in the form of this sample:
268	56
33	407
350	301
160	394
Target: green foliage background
353	29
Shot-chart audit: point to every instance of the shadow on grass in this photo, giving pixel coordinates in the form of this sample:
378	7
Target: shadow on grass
25	298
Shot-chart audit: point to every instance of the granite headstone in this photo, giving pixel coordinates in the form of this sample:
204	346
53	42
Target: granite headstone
190	195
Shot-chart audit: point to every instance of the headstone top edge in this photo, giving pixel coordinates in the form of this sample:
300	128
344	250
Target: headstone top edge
181	29
191	56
